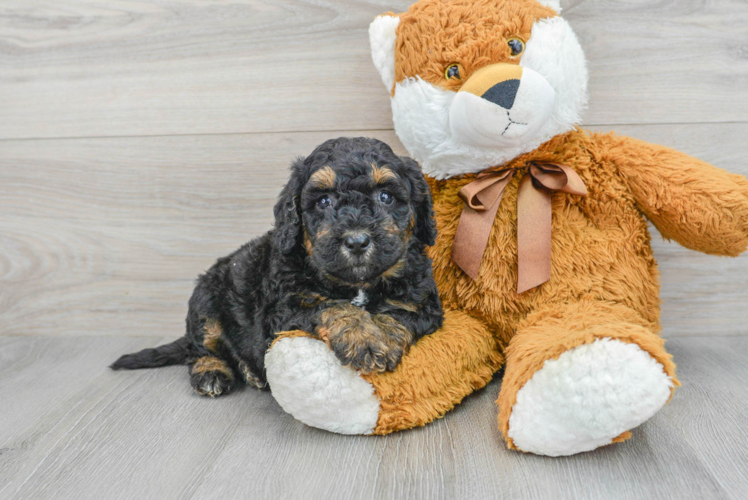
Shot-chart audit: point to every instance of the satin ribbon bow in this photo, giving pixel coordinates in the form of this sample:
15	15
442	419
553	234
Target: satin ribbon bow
482	198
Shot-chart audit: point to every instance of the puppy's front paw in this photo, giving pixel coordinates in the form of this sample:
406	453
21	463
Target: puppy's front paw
211	376
398	339
366	343
363	349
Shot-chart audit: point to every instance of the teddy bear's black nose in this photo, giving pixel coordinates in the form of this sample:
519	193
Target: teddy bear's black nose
357	243
503	93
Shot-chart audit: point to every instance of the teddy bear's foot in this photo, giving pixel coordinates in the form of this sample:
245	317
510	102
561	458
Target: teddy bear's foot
579	376
310	383
587	397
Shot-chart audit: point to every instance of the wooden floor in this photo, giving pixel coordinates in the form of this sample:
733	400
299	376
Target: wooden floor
141	140
70	428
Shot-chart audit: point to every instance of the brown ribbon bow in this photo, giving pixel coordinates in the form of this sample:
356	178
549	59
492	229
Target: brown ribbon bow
482	198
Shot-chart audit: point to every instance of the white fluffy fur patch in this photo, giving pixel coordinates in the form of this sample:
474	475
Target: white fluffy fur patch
587	397
382	37
554	52
308	381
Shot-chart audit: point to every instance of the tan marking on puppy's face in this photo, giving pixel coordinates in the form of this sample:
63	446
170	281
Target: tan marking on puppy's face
395	271
324	178
432	35
309	241
212	364
212	332
405	235
392	228
380	175
308	244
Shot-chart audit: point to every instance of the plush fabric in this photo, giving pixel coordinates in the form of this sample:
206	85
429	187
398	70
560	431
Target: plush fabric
436	374
545	418
314	382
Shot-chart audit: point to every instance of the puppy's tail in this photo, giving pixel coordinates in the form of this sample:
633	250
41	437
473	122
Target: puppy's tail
175	353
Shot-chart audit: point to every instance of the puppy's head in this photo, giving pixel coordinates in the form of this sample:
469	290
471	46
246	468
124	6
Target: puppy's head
354	208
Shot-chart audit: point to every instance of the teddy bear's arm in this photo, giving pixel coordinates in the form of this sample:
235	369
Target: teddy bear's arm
700	206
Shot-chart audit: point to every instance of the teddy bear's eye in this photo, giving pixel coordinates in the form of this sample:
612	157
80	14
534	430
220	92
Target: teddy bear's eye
452	72
516	46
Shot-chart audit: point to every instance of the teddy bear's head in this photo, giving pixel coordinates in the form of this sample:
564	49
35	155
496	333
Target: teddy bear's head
475	83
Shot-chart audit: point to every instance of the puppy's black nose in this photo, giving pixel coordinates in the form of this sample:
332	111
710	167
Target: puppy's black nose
357	243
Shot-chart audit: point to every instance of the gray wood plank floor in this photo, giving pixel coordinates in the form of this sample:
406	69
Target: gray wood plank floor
70	428
141	140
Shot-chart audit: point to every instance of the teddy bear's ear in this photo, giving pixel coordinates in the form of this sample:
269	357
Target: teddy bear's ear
382	36
553	4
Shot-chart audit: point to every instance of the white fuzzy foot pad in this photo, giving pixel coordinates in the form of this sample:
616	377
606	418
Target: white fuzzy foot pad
308	381
587	397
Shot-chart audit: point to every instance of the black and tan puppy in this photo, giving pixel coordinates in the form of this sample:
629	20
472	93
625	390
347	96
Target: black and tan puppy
345	261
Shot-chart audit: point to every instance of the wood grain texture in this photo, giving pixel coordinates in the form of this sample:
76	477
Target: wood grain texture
97	68
145	434
717	430
106	236
118	436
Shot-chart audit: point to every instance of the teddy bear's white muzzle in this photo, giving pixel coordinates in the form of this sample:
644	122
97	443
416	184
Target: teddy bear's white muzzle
506	114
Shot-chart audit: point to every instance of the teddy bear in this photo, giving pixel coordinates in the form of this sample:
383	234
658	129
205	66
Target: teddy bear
543	258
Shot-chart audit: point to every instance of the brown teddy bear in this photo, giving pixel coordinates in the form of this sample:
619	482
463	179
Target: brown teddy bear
543	258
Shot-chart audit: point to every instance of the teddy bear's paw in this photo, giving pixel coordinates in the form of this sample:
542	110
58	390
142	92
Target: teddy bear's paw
310	383
587	397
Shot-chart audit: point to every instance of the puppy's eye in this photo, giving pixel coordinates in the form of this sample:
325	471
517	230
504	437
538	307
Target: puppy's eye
452	72
516	46
386	198
324	202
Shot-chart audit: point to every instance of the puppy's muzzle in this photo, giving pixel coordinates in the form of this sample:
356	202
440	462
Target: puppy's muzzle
357	243
501	105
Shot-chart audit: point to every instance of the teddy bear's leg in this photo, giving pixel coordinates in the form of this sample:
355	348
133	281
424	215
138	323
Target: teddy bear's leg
309	382
579	376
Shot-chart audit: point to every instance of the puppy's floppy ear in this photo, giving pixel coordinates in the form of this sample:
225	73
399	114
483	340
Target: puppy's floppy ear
420	196
287	210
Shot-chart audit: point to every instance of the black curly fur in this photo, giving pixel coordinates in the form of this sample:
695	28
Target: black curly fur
286	278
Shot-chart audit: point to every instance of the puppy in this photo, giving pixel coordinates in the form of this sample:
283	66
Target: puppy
346	261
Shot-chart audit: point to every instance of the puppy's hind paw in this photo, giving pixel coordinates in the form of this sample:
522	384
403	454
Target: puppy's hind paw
212	377
211	384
